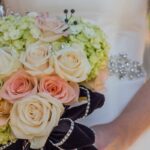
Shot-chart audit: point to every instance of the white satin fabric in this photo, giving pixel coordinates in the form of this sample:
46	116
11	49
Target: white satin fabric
124	24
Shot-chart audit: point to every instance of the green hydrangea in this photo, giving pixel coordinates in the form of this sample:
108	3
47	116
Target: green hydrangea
95	45
6	135
18	31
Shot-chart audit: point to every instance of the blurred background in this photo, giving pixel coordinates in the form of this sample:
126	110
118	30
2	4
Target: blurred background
147	51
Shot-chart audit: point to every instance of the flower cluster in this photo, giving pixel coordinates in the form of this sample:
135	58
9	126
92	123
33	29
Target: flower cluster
42	62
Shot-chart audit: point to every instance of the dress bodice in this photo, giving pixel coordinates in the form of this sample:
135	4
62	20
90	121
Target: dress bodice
111	7
125	11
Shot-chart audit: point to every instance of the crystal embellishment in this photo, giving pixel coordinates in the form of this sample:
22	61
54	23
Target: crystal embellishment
123	67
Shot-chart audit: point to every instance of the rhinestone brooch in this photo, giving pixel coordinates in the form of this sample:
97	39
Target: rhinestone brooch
125	68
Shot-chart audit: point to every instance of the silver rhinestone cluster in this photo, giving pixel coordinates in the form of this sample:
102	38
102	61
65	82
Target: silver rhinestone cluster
123	67
6	145
66	137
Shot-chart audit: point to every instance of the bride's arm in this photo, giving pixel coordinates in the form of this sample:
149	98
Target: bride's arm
134	120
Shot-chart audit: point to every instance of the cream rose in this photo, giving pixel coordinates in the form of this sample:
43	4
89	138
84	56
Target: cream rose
5	108
8	62
52	28
72	64
36	59
34	118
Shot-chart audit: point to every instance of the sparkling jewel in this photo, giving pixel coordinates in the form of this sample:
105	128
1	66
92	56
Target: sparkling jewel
123	67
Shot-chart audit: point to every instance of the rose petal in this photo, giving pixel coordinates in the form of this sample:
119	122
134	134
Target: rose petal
58	88
72	64
25	119
18	85
8	63
3	120
37	60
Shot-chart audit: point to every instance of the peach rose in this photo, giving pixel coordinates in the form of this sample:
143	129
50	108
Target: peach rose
18	85
52	28
34	117
59	88
98	84
36	59
5	108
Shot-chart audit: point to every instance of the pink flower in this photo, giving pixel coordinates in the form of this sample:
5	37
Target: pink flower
52	28
59	88
18	85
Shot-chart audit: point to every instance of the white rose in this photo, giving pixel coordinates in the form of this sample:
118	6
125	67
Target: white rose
36	59
72	64
34	117
9	62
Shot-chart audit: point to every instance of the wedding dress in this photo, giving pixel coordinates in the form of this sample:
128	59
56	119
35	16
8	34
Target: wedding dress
123	22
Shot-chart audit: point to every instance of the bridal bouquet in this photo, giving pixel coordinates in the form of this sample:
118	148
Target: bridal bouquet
51	69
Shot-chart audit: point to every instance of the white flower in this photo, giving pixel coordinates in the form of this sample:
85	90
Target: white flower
76	29
36	59
34	117
72	64
8	62
15	34
36	33
89	32
32	14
